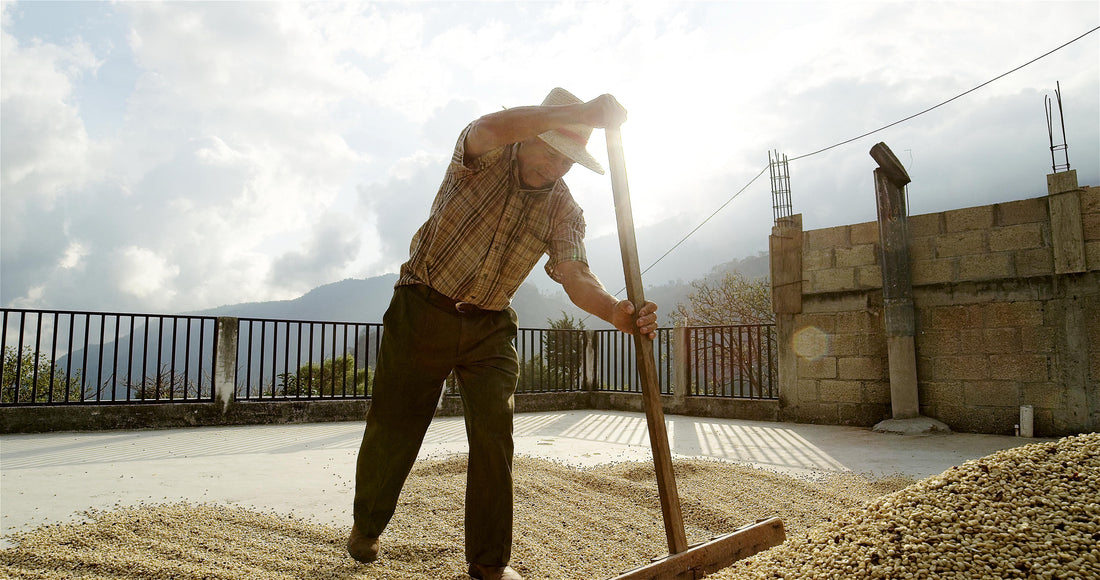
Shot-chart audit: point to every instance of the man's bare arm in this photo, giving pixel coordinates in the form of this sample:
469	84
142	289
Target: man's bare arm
586	291
521	123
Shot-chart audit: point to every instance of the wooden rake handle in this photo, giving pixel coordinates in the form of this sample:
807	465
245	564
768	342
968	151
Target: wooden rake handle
643	349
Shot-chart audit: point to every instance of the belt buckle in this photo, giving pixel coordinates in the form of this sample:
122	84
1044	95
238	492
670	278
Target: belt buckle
467	307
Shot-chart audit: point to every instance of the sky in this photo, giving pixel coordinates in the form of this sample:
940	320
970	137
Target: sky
170	157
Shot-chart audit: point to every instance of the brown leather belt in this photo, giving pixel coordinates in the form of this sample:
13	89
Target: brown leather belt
446	303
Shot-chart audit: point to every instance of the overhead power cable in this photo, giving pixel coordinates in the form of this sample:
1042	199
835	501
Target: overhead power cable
913	116
845	142
723	206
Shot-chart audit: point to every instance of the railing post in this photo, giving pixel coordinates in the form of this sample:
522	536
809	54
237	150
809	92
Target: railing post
591	351
681	378
225	360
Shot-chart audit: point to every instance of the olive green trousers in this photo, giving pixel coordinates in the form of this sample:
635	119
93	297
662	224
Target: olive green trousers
422	342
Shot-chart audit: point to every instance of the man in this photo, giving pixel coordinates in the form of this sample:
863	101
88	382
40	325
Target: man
501	207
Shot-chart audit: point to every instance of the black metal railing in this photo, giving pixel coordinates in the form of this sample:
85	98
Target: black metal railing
69	357
617	369
551	361
738	361
294	359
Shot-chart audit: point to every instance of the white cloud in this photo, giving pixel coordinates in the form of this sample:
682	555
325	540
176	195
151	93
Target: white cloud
267	148
145	274
46	155
73	255
46	148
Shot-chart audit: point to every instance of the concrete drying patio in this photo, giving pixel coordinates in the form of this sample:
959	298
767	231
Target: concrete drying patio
308	469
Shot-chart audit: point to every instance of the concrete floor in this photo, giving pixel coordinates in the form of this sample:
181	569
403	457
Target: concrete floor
308	470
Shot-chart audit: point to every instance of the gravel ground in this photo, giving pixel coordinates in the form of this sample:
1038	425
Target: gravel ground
1035	506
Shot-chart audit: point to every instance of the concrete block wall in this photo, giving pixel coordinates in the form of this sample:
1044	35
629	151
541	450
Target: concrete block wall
996	326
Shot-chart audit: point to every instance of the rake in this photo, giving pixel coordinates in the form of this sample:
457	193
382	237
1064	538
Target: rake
683	562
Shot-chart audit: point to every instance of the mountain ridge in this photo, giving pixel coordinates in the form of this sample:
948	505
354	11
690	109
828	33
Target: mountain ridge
366	299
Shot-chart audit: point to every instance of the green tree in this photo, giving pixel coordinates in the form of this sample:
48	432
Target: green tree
332	377
563	349
532	375
27	378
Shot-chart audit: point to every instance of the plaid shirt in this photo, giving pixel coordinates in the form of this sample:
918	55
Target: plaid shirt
486	232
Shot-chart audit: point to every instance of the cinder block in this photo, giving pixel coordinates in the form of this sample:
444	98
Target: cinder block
926	368
816	413
836	237
1090	200
823	322
962	244
986	267
942	393
982	393
872	343
819	368
1017	237
861	255
856	321
1092	326
972	340
1022	212
833	303
816	259
1022	315
1092	255
845	344
962	367
1031	263
1043	395
876	392
1038	340
840	391
922	249
864	233
868	277
993	420
1030	368
956	317
861	368
925	225
937	342
1001	340
971	218
927	272
807	391
1090	226
833	280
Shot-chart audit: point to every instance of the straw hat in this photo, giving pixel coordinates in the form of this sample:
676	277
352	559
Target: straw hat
570	140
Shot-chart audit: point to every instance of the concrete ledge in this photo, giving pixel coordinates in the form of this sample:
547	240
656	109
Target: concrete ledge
713	407
55	418
174	415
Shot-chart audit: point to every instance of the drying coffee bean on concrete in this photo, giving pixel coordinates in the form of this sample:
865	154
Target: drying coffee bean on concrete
570	523
1029	512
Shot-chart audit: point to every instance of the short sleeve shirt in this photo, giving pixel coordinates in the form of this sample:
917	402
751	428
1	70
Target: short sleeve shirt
486	232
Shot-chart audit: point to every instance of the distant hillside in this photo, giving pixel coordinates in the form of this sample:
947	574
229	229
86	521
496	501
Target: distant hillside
351	300
366	300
